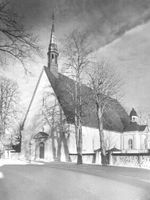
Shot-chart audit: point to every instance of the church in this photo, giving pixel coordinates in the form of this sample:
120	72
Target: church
48	132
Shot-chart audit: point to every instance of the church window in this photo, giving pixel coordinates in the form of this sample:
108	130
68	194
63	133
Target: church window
130	144
145	143
55	59
52	56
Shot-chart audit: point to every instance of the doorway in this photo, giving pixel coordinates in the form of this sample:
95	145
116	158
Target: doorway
42	147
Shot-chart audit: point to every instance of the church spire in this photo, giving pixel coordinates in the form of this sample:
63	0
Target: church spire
53	22
52	50
52	37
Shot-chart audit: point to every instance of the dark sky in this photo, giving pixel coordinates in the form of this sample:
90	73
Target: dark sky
107	19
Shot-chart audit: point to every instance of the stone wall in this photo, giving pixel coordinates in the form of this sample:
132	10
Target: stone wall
131	160
87	158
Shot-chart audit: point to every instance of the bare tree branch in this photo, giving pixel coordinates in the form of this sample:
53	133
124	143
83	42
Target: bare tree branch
15	41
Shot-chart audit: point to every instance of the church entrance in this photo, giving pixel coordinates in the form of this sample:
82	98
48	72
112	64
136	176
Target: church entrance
41	150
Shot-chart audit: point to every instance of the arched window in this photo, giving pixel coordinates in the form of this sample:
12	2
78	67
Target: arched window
52	56
130	144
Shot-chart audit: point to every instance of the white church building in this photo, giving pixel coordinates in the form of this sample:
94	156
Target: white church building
40	136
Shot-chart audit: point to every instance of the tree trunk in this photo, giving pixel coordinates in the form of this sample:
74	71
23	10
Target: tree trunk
78	136
59	145
79	146
53	145
68	159
63	140
62	130
101	134
36	147
79	126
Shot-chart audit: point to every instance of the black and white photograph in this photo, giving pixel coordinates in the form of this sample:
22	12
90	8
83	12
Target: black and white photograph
74	99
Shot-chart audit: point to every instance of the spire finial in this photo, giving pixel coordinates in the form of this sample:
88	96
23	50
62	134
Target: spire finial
53	16
53	21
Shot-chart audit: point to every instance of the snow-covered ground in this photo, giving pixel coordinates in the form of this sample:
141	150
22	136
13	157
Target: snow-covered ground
11	162
17	162
67	181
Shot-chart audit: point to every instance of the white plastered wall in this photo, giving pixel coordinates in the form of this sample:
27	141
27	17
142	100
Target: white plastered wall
34	120
91	139
138	138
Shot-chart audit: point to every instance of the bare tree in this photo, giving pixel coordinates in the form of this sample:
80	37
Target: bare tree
105	85
50	116
15	41
17	137
9	97
54	117
63	136
76	52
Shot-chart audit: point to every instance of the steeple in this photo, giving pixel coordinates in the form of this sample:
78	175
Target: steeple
53	51
133	115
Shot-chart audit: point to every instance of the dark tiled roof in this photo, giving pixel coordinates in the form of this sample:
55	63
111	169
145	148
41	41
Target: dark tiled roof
133	126
133	113
142	127
115	116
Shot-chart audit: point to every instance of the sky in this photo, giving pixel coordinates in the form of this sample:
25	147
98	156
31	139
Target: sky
120	32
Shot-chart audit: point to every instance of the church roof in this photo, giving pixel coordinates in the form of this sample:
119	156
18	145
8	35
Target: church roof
134	126
115	116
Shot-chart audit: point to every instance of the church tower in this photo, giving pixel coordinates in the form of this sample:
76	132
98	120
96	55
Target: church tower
53	51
